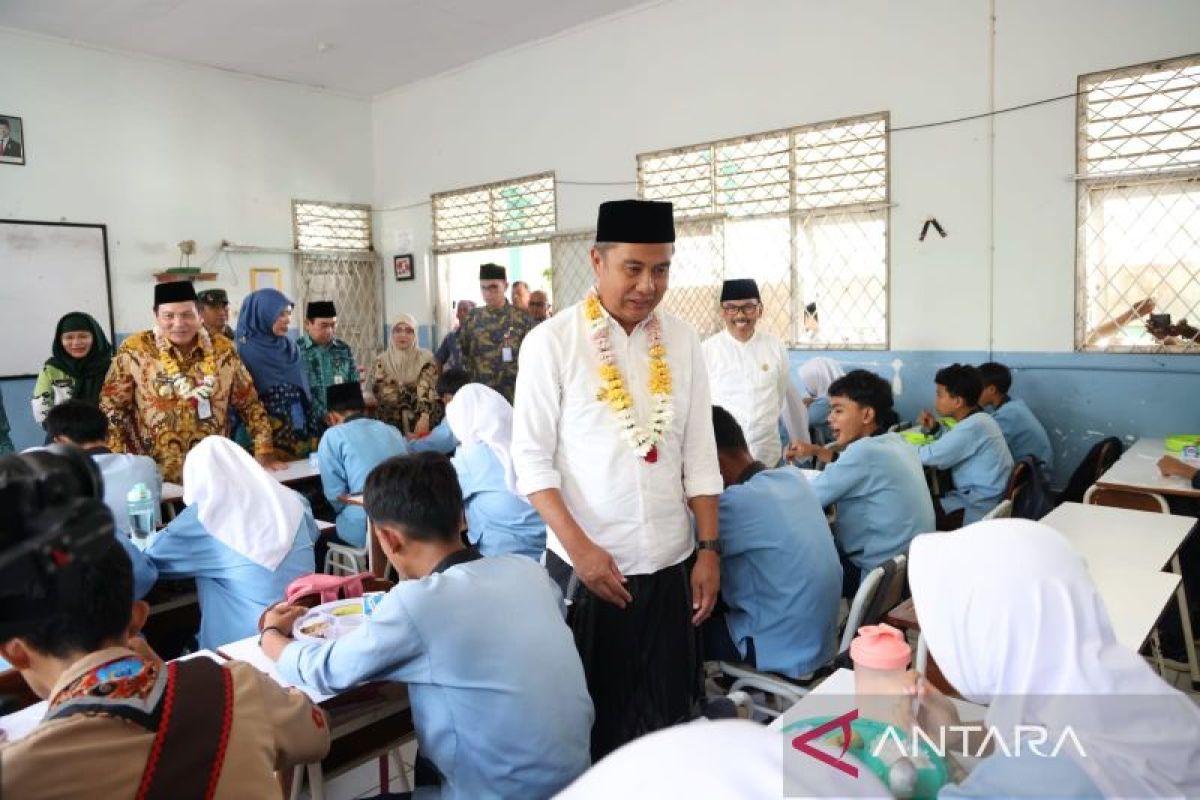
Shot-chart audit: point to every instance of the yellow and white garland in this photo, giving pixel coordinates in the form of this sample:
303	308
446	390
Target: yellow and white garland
643	439
180	382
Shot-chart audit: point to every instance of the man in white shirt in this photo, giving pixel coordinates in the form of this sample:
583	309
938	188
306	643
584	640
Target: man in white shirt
748	373
612	443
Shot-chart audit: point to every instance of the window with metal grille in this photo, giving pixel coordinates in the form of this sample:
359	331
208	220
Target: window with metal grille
804	211
331	226
1138	186
497	214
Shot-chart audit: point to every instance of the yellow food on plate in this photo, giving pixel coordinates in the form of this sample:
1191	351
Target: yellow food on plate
347	610
316	628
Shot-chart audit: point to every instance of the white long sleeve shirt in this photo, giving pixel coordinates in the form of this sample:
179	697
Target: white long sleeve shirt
750	381
565	438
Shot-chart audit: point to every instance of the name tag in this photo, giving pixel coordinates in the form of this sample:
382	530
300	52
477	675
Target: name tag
203	408
337	379
506	354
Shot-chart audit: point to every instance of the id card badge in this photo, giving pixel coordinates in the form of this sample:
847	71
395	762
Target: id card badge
506	354
203	408
337	379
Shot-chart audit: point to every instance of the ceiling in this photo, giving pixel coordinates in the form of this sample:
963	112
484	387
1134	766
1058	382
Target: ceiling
361	47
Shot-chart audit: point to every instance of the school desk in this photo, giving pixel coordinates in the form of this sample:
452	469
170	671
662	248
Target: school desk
366	723
1137	471
294	472
1122	538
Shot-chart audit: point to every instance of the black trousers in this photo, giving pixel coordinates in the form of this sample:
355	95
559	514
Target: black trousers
642	662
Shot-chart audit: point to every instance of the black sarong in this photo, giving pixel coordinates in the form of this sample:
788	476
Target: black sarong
642	662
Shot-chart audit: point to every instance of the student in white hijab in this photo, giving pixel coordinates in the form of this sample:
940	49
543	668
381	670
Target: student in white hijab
816	376
1013	620
498	519
244	537
722	759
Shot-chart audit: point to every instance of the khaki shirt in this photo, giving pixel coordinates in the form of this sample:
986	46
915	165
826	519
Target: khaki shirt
146	417
97	756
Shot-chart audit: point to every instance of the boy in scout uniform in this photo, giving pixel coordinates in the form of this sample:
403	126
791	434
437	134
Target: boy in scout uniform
120	723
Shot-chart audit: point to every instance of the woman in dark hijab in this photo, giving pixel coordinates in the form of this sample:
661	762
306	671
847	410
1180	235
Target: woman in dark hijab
80	356
278	371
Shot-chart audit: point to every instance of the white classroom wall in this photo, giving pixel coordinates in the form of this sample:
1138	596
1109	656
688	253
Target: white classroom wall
162	152
686	71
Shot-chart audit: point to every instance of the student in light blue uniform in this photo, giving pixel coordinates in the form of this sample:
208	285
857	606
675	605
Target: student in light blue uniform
352	446
244	537
973	450
498	519
877	482
1013	620
1023	433
780	577
441	438
498	695
83	425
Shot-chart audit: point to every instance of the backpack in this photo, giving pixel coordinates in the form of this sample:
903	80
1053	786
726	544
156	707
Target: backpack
1029	490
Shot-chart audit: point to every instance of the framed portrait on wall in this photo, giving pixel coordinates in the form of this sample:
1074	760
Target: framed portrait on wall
266	278
404	267
12	140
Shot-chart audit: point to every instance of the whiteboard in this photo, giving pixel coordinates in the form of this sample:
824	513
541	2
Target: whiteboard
46	270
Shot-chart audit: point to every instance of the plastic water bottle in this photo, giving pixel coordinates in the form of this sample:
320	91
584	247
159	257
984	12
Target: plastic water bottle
140	504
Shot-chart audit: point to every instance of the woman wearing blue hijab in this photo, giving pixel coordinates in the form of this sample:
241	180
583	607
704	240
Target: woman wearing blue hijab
278	371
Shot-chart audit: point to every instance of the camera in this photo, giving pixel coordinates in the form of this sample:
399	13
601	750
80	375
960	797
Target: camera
52	520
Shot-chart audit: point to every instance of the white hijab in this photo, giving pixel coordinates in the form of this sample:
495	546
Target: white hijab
725	758
817	374
1014	621
480	415
239	503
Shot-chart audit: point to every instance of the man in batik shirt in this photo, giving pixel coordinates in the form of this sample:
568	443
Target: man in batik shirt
328	360
171	386
491	336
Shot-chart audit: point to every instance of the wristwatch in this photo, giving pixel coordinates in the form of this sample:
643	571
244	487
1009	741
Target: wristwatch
709	544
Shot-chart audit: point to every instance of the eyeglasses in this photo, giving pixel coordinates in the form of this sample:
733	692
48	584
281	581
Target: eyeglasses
740	308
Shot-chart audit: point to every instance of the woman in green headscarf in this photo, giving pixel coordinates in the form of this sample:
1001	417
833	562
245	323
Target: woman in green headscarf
76	370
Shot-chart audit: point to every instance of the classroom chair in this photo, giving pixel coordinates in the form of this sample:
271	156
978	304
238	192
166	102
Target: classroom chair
880	590
1121	498
344	559
1099	458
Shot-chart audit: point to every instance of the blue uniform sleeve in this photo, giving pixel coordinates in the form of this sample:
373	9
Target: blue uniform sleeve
144	571
184	549
334	482
837	479
949	449
731	520
439	440
387	646
470	472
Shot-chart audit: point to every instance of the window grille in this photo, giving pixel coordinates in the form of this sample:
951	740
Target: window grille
331	226
1138	192
804	211
494	215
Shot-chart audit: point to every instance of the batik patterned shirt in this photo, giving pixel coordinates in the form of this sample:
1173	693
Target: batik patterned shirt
147	417
327	365
490	339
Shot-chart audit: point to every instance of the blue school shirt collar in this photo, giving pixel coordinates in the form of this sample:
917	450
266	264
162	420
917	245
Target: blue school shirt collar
750	471
464	556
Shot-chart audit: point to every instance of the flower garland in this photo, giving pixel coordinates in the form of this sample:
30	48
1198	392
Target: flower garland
643	439
180	383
